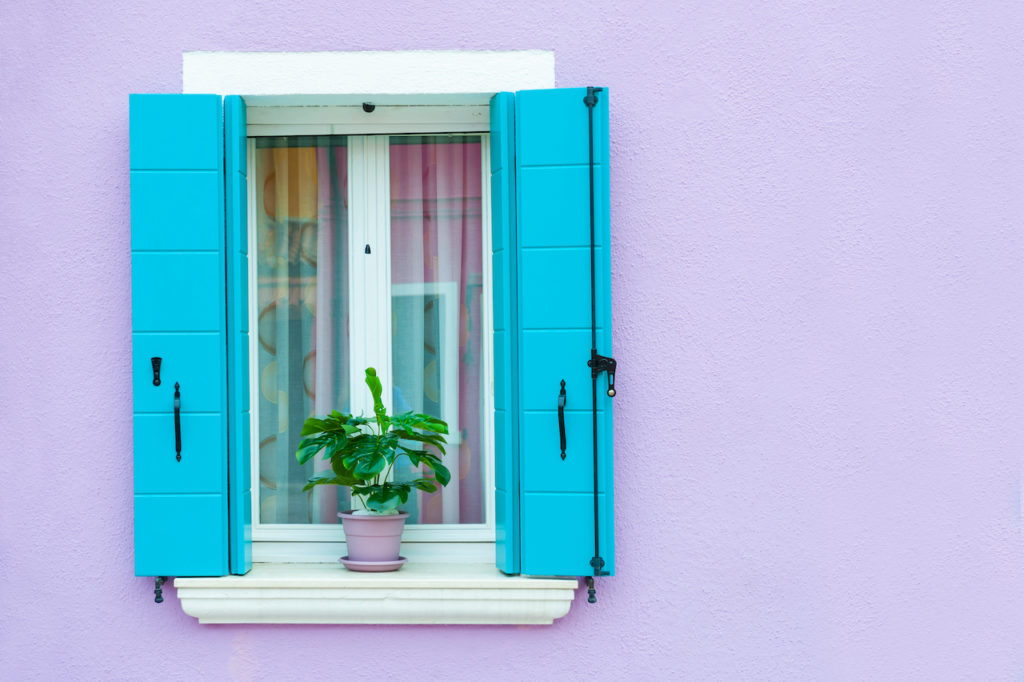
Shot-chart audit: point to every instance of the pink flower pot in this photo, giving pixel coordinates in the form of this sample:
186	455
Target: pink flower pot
373	541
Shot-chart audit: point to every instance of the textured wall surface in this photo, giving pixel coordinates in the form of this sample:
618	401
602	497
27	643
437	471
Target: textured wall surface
818	212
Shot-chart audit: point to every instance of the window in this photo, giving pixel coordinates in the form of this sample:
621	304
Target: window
190	292
368	250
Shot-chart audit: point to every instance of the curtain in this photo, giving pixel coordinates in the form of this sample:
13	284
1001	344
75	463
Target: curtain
302	318
437	284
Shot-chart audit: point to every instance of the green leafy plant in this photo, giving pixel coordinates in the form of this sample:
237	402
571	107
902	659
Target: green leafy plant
363	452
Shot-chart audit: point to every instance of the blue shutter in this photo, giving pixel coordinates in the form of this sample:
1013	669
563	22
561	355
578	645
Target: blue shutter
239	480
548	269
506	412
178	315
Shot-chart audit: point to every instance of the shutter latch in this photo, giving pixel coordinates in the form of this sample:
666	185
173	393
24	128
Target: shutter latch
599	363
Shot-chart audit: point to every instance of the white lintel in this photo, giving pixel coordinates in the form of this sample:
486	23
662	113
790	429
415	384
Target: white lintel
307	77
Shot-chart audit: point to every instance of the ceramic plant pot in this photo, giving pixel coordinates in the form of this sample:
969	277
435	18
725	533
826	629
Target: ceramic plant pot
373	541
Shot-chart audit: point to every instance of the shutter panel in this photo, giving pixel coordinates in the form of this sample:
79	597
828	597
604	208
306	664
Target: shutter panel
239	479
178	315
553	329
506	413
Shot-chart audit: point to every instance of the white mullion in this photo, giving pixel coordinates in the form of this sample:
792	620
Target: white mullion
370	283
382	237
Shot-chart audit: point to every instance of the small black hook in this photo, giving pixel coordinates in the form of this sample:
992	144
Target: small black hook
368	107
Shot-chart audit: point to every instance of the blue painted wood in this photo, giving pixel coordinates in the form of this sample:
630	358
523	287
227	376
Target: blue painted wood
201	469
239	479
195	360
175	132
177	286
506	400
178	314
175	210
552	280
540	440
550	186
188	534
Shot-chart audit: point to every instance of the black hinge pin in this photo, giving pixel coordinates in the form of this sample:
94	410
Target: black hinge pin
159	590
591	590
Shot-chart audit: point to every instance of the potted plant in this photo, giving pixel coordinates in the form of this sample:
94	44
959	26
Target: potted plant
363	453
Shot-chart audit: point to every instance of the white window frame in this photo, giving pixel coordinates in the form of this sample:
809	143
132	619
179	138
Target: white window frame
369	223
416	78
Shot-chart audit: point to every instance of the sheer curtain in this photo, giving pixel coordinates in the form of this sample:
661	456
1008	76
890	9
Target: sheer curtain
437	284
302	318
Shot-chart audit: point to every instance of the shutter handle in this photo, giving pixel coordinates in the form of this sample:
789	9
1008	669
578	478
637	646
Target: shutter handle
177	421
561	419
156	370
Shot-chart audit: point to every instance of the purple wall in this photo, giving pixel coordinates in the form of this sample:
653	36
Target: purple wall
818	222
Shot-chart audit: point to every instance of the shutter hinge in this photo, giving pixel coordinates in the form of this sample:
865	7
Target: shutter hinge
159	590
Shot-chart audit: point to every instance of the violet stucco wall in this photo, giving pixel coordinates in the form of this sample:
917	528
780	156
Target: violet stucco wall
818	233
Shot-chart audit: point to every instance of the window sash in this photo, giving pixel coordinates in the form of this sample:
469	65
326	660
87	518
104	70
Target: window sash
369	217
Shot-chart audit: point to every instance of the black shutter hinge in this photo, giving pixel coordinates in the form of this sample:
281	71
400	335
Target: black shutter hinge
159	590
591	99
599	363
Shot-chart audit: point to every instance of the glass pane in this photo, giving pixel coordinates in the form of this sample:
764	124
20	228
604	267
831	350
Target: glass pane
301	261
436	308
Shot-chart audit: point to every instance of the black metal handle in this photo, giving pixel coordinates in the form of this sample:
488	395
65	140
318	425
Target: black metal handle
177	421
561	418
156	370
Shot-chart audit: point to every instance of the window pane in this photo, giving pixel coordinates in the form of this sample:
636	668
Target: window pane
436	299
302	318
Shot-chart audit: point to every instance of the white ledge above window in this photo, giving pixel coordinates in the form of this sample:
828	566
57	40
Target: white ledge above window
420	593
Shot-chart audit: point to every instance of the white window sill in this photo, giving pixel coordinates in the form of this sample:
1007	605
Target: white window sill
420	593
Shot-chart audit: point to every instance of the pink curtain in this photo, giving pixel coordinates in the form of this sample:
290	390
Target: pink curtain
436	243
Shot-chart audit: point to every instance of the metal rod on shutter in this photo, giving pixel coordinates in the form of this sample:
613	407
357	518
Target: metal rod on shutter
597	363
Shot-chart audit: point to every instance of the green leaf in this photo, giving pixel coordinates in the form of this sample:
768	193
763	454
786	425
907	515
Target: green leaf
430	459
425	484
376	390
323	478
313	425
385	499
428	423
437	441
442	474
344	474
308	447
369	466
413	455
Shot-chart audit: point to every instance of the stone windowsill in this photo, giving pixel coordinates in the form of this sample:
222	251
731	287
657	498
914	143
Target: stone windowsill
419	593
